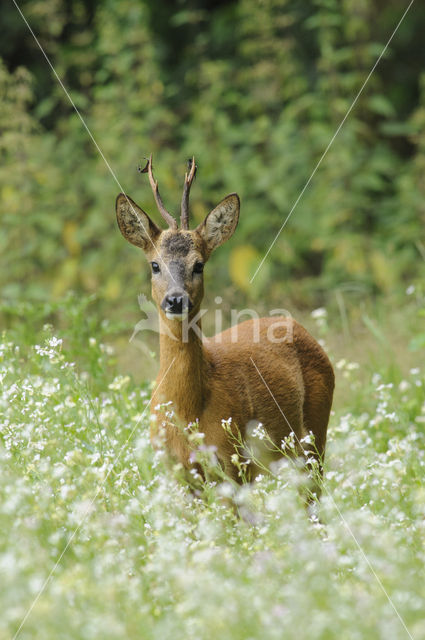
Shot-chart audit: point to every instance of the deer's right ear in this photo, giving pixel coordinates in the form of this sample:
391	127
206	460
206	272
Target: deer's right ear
135	225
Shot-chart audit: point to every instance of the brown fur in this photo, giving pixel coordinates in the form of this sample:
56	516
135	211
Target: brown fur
213	380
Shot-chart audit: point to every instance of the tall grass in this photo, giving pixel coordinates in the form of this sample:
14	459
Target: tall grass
147	557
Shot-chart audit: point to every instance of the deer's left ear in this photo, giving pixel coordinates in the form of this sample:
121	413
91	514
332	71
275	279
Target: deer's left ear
220	224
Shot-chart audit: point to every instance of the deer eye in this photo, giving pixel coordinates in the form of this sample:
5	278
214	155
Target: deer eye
155	267
198	267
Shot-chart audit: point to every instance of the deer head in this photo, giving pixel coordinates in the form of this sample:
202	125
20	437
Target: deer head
177	256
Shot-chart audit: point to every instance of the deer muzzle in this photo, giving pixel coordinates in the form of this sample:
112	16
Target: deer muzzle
176	305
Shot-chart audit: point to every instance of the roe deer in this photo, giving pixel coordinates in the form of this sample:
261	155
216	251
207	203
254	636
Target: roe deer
285	384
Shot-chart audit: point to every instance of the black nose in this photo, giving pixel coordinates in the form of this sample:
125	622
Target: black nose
176	304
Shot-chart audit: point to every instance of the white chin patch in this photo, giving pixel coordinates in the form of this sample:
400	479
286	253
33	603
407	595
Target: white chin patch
176	316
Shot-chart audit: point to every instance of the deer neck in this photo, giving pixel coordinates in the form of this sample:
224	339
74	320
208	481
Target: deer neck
182	368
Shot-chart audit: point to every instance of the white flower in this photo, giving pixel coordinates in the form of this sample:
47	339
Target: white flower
259	432
308	439
55	342
319	313
120	382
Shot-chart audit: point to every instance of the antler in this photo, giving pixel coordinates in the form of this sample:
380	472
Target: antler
172	223
188	179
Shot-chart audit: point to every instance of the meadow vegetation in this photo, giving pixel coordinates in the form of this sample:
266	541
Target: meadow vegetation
150	558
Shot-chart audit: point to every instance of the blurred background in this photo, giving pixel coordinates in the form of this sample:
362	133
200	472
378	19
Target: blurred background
256	90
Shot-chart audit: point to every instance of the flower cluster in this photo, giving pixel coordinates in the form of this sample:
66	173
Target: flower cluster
148	556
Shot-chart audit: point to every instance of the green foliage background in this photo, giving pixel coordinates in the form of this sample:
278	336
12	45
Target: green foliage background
256	91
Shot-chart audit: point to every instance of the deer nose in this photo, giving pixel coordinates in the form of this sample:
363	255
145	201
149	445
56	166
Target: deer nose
174	304
177	304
